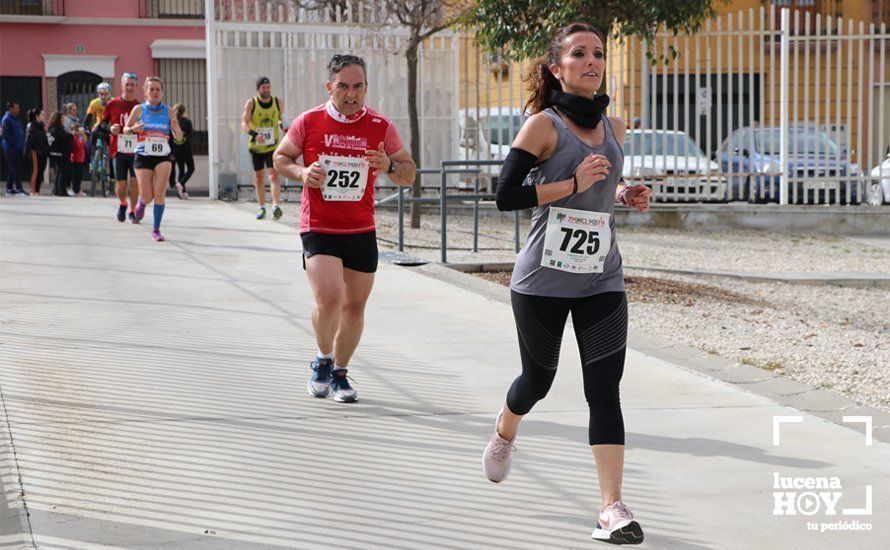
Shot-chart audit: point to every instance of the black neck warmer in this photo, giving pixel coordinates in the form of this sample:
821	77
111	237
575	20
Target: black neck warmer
584	112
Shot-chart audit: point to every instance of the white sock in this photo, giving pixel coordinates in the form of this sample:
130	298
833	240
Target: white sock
338	367
323	356
274	205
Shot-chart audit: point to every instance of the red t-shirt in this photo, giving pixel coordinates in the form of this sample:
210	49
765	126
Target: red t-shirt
78	150
117	111
316	133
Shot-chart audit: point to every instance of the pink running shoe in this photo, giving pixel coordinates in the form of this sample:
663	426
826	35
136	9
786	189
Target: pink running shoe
616	525
140	210
497	458
156	236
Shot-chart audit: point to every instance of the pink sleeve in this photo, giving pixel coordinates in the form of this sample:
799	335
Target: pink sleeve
392	142
296	133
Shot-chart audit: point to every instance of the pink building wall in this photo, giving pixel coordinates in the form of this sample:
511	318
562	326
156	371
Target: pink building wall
131	45
22	45
102	8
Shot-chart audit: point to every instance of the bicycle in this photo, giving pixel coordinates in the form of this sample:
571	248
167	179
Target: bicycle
100	169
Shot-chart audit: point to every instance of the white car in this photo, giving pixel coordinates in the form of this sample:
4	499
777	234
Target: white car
879	188
486	134
672	164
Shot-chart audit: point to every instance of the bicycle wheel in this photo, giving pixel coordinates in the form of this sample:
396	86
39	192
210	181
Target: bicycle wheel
97	172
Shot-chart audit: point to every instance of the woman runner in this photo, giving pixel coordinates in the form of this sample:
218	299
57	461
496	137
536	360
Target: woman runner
152	122
566	164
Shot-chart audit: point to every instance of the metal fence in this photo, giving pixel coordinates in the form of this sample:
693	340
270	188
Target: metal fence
750	110
186	83
172	9
743	98
291	46
32	7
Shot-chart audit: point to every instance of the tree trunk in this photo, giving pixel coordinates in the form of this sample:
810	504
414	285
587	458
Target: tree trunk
411	55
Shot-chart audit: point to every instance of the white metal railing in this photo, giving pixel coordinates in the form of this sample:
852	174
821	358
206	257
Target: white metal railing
754	107
789	113
292	47
716	123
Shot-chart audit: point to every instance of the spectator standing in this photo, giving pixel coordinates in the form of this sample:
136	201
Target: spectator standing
36	148
59	153
182	153
70	120
13	138
78	158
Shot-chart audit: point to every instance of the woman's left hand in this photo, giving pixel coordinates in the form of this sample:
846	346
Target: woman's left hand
637	197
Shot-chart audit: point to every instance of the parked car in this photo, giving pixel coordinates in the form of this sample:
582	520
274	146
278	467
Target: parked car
486	134
879	187
817	165
673	165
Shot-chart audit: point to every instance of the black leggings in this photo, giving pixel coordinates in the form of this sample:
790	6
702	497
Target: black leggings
186	164
62	166
600	323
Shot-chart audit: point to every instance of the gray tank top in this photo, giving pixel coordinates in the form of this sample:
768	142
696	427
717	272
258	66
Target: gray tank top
529	276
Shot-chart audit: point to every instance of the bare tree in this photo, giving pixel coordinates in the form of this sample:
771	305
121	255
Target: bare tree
422	19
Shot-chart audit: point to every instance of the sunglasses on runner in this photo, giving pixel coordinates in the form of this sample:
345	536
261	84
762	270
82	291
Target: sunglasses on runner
134	76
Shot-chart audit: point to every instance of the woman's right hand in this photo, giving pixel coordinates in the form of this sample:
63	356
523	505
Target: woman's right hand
592	169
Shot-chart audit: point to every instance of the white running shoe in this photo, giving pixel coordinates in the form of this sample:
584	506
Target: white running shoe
497	458
616	525
70	192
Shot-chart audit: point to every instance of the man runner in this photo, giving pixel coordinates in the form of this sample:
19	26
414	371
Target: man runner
122	147
262	120
344	145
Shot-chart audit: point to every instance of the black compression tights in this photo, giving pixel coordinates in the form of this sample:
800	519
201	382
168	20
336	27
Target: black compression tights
600	323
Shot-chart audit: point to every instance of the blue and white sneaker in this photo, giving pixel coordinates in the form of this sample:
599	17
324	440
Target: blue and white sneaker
343	392
320	381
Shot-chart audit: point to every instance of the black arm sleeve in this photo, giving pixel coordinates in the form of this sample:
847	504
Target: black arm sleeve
511	194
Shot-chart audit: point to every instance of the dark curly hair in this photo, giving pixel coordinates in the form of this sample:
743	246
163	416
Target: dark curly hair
540	80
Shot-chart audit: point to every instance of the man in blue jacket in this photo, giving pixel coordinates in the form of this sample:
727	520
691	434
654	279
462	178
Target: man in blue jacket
13	148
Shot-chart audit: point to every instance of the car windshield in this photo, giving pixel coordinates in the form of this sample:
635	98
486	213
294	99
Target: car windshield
502	129
660	143
801	141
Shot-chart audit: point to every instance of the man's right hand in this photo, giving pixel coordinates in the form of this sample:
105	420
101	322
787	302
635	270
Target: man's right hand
116	129
314	175
259	139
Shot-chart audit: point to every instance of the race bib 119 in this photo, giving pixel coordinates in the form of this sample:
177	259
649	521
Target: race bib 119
268	135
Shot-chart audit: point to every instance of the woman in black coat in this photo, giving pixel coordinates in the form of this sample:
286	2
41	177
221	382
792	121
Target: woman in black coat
36	148
59	154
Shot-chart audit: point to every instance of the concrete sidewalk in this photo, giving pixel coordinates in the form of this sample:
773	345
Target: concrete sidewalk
154	396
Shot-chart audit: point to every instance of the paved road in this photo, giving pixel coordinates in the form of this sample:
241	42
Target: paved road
153	396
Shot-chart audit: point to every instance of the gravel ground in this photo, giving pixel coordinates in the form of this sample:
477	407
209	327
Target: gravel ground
825	336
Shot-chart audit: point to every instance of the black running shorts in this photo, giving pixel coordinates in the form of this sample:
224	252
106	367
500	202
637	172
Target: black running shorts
358	252
123	165
261	160
149	163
